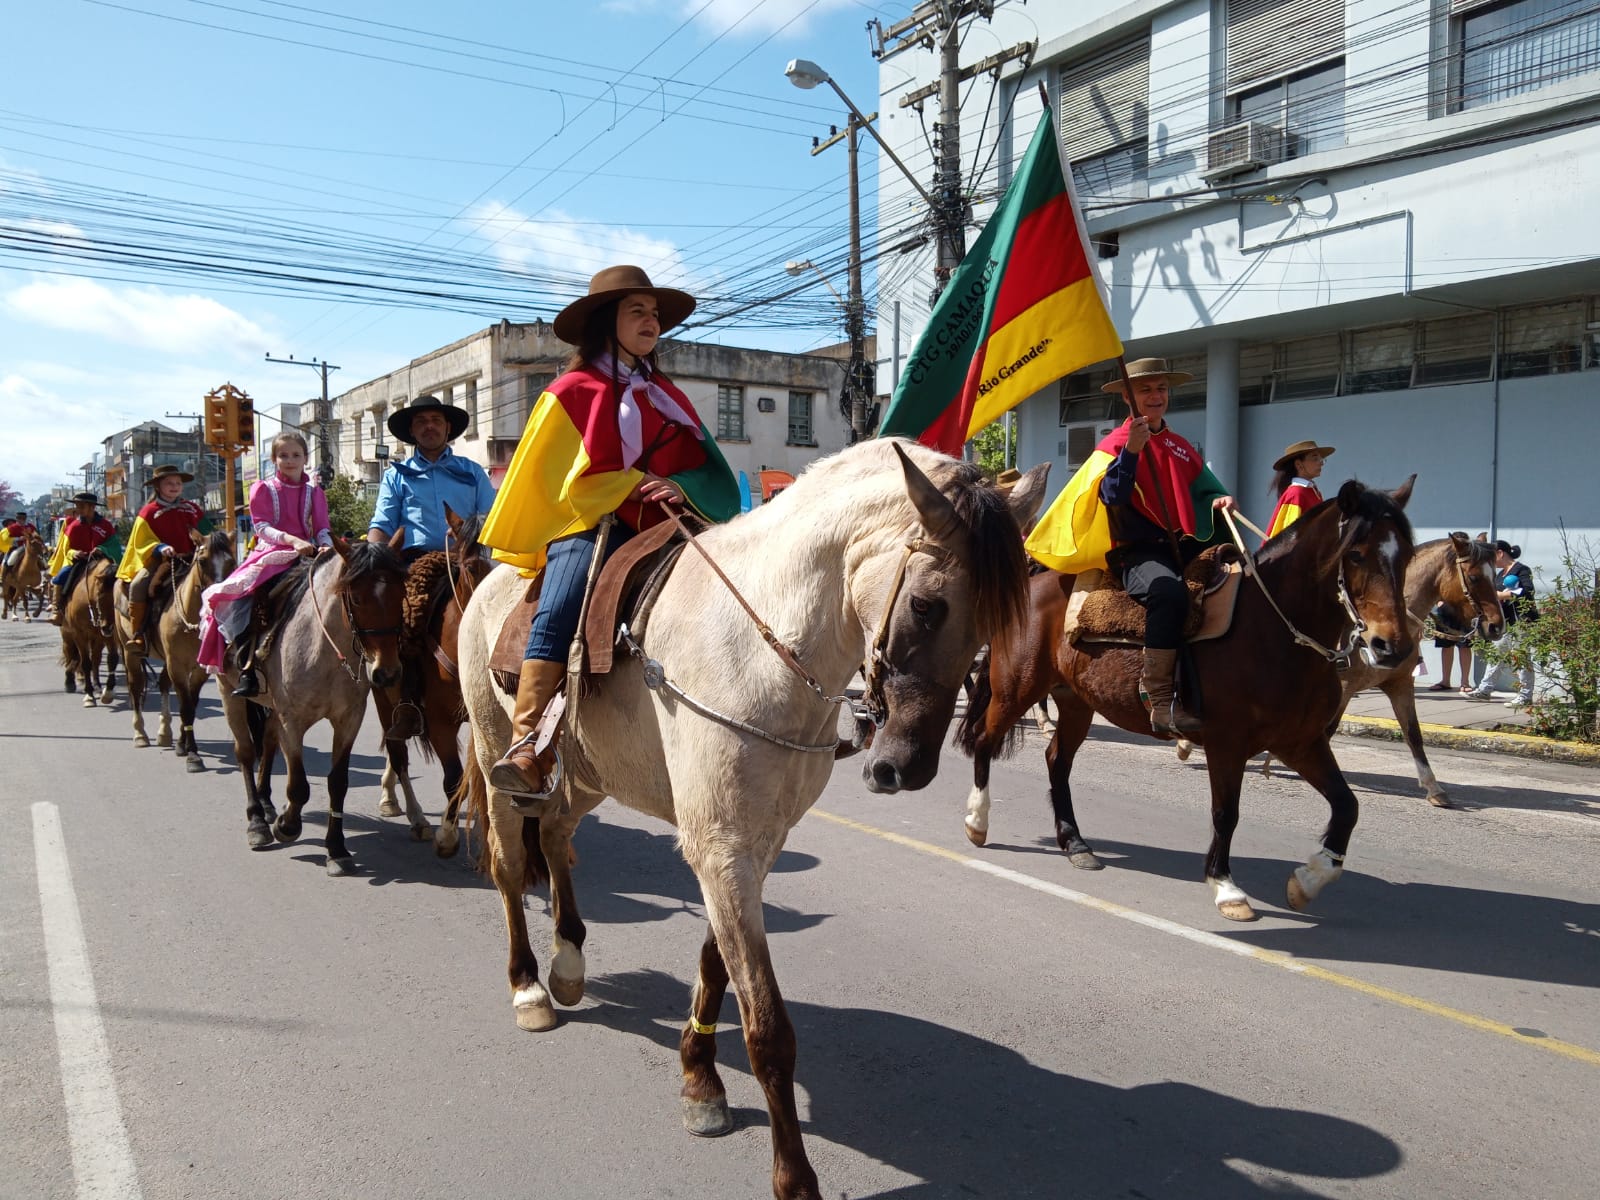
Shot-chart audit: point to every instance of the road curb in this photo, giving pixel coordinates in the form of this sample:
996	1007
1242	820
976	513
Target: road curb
1522	745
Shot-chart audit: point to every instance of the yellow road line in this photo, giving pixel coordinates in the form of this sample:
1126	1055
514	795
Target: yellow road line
1272	958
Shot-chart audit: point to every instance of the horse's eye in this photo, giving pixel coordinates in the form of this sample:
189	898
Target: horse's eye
920	606
1356	558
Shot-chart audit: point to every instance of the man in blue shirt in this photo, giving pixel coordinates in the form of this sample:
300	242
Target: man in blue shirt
413	495
414	491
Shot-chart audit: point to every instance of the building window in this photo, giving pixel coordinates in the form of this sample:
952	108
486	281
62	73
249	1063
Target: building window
1306	368
800	431
730	413
1105	121
1379	360
1508	49
1256	362
1285	71
1456	350
1191	394
1543	339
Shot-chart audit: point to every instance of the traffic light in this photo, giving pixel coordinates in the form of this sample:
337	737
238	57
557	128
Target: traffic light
245	421
216	418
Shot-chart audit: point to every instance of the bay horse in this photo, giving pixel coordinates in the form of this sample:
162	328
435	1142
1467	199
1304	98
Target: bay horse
26	579
88	630
1455	572
886	552
1263	687
464	565
173	640
339	634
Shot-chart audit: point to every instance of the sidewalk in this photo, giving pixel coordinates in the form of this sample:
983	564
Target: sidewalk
1450	720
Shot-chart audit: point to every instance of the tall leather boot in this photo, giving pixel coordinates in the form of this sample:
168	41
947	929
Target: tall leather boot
137	611
59	606
1167	718
244	655
522	772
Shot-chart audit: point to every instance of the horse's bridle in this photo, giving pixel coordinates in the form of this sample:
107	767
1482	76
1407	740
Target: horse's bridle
358	634
1482	618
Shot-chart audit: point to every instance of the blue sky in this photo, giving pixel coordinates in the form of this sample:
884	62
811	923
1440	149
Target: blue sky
409	172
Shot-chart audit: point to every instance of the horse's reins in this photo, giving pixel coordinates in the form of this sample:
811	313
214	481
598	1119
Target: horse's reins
1340	658
356	632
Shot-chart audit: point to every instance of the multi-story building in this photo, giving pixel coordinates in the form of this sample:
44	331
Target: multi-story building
1365	222
131	454
767	410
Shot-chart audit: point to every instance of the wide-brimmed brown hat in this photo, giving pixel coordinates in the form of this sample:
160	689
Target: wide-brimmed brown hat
400	419
166	471
1295	451
86	498
1008	479
612	284
1149	368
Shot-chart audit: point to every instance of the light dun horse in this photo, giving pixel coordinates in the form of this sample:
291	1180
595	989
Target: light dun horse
340	630
24	581
174	641
1265	687
885	538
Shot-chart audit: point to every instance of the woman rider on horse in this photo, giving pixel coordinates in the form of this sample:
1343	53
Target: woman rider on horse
1142	508
611	435
1294	478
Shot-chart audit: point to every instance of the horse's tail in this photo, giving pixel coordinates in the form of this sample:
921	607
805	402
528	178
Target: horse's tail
980	698
472	793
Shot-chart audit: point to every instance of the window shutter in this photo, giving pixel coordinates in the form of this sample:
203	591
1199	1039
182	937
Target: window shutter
1105	100
1268	38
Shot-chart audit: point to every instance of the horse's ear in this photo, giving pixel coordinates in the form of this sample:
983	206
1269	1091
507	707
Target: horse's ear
1027	495
341	547
197	538
1461	544
1403	493
933	506
1349	500
452	520
397	538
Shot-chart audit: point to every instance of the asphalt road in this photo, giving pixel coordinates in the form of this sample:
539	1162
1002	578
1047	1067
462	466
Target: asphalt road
180	1017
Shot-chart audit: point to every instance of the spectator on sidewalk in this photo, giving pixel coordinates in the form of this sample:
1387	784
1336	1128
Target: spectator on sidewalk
1516	599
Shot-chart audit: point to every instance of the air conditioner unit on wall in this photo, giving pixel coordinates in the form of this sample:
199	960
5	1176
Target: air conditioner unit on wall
1242	147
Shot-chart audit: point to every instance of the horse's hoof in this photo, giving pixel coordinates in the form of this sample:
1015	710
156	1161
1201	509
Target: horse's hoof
1240	910
1439	799
1298	899
536	1016
422	833
389	808
567	992
140	741
88	702
1085	860
339	868
259	835
446	842
269	814
285	832
707	1118
978	837
194	765
164	741
1185	748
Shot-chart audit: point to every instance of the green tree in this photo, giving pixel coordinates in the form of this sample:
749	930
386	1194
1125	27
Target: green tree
349	507
989	448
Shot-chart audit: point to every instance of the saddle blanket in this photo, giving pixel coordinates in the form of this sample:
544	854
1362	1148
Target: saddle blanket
1098	610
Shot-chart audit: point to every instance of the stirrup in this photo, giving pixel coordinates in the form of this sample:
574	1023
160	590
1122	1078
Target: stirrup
522	798
248	676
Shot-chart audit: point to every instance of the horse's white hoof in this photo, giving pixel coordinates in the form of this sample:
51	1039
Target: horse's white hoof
1237	910
978	837
389	808
567	992
89	702
1298	900
1185	748
536	1016
446	842
341	867
163	741
140	741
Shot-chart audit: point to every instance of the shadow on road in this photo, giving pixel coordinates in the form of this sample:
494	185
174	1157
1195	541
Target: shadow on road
967	1116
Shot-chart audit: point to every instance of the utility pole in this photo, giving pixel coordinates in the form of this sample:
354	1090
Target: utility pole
938	23
857	376
324	413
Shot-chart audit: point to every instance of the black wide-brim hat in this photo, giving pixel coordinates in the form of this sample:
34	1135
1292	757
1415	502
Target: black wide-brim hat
400	419
86	498
614	283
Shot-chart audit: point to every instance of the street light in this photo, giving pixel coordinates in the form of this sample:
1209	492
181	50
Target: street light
805	74
803	265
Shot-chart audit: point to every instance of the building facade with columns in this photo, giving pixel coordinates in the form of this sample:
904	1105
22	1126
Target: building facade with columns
768	410
1364	222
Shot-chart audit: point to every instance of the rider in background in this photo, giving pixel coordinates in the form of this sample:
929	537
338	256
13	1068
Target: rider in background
412	496
17	539
289	514
160	533
1294	478
1144	492
82	533
612	435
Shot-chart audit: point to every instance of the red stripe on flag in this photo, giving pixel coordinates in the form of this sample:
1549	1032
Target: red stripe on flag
1044	257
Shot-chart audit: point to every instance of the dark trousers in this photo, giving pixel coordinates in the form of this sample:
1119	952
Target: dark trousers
566	570
1148	575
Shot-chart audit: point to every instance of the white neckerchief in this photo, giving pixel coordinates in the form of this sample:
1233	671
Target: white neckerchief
1306	483
639	387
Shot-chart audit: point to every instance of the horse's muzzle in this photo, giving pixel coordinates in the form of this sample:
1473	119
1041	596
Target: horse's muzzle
1386	653
882	776
385	676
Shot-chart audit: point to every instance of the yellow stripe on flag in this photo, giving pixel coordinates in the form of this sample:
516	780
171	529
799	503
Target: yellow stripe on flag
1075	534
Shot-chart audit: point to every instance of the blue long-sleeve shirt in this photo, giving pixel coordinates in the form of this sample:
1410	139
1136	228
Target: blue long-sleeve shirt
414	493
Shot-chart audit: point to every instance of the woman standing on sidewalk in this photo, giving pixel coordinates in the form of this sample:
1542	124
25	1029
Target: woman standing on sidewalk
1516	600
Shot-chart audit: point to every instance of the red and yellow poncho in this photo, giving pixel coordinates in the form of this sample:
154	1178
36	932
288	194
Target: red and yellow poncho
160	525
1299	497
568	470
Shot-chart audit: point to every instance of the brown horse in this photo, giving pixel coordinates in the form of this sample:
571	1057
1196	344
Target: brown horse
339	636
174	641
465	564
25	579
88	630
1455	572
1269	683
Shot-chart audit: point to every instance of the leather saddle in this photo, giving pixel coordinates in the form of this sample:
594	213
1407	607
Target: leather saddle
1098	609
625	591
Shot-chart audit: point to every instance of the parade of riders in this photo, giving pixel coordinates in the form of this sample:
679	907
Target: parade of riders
160	533
1142	508
83	533
1294	483
413	495
612	435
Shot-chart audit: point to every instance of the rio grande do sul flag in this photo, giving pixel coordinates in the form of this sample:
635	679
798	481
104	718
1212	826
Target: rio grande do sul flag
1023	309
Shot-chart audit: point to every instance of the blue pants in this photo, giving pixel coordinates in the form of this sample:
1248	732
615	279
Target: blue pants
60	576
561	595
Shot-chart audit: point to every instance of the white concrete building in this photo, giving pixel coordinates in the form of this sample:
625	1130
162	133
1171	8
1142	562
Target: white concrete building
1368	222
767	410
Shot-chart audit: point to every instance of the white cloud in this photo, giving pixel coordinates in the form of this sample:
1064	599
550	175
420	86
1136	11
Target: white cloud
146	317
556	242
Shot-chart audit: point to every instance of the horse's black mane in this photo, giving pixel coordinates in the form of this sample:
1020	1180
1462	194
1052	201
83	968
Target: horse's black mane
366	559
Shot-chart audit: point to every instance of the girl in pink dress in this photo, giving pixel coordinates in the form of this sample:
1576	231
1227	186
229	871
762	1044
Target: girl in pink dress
290	516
